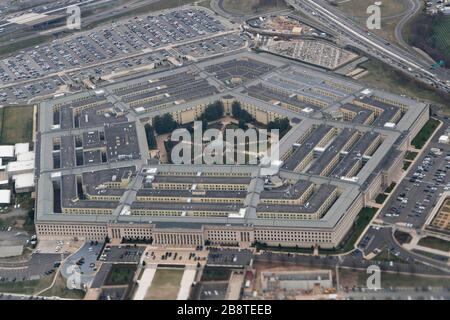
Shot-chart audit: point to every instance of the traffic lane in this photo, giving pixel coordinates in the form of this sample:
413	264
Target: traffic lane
84	258
414	259
377	236
383	239
353	261
398	295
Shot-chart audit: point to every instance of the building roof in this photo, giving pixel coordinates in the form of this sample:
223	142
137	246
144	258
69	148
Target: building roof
20	166
25	180
5	196
6	151
22	148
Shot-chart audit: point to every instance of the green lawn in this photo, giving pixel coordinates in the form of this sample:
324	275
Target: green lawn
120	274
381	198
425	133
406	165
435	243
165	284
60	289
390	188
216	274
16	124
402	237
410	155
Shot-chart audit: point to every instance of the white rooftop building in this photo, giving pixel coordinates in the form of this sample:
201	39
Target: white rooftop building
24	182
6	151
25	156
5	196
21	148
19	167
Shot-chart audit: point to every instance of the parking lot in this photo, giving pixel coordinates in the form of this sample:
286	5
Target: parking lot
102	44
40	264
212	46
142	43
229	257
123	253
25	92
213	291
418	193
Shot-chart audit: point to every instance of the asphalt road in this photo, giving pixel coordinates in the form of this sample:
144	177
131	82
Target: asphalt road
353	261
413	9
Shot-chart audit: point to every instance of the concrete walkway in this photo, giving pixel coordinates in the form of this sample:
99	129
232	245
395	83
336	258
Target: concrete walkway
186	282
145	282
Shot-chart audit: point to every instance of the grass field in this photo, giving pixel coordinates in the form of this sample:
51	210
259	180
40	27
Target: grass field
385	255
216	274
251	6
357	8
406	165
410	155
391	11
381	198
382	77
402	237
435	243
16	124
165	285
390	188
60	289
425	133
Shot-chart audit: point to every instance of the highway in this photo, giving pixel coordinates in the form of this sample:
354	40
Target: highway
373	45
353	260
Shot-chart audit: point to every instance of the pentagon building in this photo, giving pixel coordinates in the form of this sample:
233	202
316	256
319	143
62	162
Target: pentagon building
95	177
